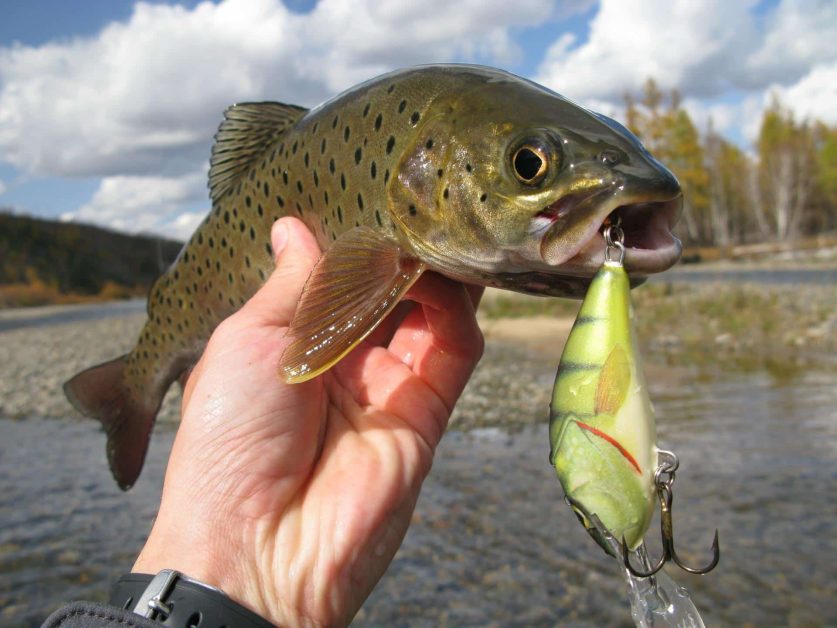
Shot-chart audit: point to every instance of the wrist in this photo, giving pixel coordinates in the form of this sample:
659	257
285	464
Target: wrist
171	598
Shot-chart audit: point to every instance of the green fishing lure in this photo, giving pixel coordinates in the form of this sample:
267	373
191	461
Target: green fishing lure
602	433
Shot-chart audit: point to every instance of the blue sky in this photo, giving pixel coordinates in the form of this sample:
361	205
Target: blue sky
107	107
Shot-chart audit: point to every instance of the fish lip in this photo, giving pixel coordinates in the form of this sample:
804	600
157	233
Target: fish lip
650	245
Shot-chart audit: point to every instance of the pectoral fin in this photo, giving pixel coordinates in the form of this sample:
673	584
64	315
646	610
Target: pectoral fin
353	286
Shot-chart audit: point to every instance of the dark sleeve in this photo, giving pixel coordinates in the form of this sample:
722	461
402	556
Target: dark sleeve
90	615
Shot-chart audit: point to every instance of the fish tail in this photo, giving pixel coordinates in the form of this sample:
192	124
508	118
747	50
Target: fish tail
103	392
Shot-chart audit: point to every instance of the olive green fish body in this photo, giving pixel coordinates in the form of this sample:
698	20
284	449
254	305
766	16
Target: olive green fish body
467	171
602	429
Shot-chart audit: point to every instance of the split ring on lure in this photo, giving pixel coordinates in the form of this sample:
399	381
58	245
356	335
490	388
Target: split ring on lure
602	432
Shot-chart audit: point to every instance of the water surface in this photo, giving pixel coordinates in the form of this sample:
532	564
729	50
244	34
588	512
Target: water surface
492	542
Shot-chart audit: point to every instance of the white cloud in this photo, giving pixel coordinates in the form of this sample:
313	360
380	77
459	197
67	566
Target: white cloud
814	96
705	50
678	43
139	103
145	96
145	203
799	35
3	187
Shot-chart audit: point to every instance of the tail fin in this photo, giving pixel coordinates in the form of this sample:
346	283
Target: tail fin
102	392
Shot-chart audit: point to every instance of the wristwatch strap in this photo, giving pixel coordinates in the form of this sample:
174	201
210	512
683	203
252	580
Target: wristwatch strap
173	599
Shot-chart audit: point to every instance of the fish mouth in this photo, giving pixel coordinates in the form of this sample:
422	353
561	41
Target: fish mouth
573	228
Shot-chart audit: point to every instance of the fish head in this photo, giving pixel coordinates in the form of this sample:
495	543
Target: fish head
510	185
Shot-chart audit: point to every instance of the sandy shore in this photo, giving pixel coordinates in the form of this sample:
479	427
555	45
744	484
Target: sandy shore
35	361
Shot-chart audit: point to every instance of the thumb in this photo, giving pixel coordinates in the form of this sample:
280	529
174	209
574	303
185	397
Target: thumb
296	252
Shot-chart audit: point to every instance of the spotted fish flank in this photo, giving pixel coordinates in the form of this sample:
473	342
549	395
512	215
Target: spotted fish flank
463	170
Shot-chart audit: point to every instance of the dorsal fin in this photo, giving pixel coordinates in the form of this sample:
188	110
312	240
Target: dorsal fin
247	130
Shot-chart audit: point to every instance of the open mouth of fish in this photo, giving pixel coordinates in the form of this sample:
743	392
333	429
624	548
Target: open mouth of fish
573	229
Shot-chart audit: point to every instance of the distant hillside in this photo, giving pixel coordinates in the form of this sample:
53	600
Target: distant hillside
45	261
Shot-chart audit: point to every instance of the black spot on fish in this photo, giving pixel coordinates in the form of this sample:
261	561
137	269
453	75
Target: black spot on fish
186	256
211	245
412	210
310	202
232	252
248	201
247	257
322	146
373	170
390	88
468	167
445	193
415	118
378	120
342	180
285	177
386	175
177	274
267	189
200	271
294	147
340	214
298	208
360	201
378	218
268	249
325	197
314	128
261	274
260	209
305	159
439	173
358	155
483	197
402	106
200	238
217	266
366	110
334	122
299	186
429	144
316	179
346	133
331	165
241	226
223	243
390	144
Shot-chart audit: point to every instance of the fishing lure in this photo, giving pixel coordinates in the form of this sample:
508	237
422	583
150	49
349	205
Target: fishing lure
602	432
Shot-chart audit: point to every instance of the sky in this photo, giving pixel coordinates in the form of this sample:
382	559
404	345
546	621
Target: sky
108	107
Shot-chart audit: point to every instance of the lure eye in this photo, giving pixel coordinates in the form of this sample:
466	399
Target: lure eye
530	163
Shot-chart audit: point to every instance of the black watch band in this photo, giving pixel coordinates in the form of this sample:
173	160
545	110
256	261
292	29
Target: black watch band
173	599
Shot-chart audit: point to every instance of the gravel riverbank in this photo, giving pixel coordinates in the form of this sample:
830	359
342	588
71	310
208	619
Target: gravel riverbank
35	361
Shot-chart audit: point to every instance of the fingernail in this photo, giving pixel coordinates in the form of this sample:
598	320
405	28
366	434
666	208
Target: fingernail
280	238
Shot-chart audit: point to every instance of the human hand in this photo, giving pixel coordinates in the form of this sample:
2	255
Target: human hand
293	499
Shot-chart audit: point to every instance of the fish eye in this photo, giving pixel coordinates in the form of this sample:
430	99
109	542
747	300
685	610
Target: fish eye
530	163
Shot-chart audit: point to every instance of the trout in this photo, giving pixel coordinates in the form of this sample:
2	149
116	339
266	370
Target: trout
601	428
467	171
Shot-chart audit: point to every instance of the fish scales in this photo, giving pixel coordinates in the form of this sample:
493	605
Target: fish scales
330	170
463	170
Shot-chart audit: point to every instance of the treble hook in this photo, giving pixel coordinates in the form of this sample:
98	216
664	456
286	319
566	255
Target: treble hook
666	496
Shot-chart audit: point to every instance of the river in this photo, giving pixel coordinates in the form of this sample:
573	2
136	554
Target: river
492	541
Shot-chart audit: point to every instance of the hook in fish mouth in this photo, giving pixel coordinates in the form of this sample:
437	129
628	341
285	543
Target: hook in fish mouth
572	233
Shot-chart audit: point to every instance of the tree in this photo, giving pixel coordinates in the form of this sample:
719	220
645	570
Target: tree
730	202
786	178
668	132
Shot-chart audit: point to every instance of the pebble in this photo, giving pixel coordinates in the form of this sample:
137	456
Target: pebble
511	385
